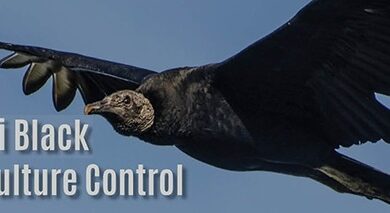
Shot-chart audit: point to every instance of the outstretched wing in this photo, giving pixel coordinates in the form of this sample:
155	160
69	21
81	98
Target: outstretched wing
319	72
95	78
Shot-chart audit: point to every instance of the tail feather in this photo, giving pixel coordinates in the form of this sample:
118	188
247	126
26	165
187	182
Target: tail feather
357	177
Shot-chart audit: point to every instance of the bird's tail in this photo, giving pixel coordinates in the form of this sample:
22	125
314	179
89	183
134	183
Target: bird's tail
354	177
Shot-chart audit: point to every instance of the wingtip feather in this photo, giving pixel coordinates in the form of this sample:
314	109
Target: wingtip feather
35	77
64	89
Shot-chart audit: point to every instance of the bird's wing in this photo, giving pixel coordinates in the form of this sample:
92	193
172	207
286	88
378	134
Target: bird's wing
93	77
319	71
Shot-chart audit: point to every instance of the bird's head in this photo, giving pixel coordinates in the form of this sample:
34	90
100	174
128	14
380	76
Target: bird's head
129	112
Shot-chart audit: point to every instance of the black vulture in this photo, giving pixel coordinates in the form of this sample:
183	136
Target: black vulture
283	104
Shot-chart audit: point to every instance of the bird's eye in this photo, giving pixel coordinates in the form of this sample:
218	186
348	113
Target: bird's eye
126	100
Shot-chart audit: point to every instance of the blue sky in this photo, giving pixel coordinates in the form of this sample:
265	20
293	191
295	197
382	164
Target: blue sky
157	35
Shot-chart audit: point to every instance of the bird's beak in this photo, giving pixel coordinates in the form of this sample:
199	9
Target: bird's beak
92	108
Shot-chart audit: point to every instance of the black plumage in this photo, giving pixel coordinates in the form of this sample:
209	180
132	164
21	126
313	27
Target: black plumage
284	104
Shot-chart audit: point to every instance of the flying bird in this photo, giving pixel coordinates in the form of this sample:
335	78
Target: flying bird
284	104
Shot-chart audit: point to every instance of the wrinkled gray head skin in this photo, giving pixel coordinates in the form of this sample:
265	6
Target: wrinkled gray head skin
129	112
